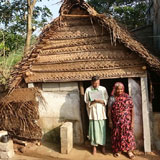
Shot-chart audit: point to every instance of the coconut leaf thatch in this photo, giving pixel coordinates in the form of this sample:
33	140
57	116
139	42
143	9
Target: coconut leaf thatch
19	113
81	43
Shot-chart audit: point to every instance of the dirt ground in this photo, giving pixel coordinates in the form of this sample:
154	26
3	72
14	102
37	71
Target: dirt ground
52	152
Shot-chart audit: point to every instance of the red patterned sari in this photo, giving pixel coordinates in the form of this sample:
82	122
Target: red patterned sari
122	132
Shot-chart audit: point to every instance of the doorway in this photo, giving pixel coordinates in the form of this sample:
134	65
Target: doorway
108	84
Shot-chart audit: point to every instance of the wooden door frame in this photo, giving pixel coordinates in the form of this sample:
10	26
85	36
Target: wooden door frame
83	110
145	112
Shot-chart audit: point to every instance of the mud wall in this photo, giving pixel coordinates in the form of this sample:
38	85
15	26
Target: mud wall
62	104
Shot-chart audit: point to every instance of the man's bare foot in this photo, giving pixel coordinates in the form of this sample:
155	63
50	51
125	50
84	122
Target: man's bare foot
94	150
104	150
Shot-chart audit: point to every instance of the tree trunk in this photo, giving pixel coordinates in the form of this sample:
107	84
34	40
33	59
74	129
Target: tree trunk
29	24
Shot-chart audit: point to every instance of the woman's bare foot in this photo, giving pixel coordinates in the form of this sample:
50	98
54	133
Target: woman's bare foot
131	155
94	150
116	154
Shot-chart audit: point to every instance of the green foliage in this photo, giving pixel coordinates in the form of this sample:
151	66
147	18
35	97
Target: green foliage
130	12
101	6
11	52
131	16
7	62
13	15
13	21
3	48
10	42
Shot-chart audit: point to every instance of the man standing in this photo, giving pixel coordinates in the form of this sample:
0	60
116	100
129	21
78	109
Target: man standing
97	113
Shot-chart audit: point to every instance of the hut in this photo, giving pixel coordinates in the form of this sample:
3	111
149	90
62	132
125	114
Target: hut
77	45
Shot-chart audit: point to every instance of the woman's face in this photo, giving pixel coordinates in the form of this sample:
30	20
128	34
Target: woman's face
119	90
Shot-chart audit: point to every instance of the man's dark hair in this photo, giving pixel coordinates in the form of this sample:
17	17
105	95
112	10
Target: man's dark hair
95	78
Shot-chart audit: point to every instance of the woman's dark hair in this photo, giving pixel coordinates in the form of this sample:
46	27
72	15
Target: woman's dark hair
95	78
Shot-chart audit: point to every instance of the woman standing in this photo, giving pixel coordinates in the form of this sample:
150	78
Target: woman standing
121	121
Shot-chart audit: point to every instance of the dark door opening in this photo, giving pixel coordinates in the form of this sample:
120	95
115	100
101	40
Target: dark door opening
108	83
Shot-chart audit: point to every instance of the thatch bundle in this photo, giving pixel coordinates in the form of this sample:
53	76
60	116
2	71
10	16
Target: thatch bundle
18	114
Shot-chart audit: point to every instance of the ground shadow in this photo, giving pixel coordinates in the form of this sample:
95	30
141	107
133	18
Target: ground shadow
51	139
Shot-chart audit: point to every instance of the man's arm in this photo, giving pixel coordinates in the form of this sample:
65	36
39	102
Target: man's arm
99	101
86	97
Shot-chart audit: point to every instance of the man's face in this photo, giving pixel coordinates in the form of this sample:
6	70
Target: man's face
96	84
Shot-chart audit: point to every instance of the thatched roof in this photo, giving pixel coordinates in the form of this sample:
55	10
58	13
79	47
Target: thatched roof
67	50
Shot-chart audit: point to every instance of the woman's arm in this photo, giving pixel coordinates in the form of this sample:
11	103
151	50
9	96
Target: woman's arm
110	104
109	117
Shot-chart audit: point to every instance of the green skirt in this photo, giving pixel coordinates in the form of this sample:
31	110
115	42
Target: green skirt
97	132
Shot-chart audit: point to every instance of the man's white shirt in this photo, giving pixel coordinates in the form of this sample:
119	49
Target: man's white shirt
96	111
